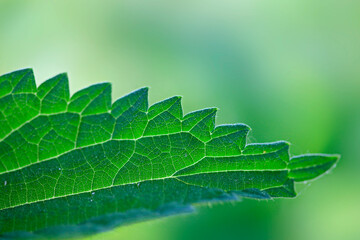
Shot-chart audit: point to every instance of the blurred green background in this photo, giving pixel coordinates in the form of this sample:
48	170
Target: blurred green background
289	69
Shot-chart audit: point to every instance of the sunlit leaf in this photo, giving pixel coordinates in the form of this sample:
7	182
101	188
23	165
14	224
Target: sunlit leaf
82	164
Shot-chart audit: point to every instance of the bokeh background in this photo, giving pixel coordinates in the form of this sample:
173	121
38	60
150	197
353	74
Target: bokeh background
289	69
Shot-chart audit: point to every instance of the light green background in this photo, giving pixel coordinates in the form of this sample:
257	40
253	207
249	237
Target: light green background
289	69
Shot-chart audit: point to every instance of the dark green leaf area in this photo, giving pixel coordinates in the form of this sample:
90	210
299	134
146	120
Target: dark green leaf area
82	164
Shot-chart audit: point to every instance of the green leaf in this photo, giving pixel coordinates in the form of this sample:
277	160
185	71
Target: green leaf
79	165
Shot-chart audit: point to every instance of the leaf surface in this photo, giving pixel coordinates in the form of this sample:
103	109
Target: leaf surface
82	164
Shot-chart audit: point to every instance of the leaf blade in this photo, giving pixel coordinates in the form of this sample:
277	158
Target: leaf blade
124	161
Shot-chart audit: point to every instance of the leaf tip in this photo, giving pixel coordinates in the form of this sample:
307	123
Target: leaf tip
311	166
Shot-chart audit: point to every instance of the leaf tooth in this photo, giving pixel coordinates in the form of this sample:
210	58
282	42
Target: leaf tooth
137	99
92	100
259	148
200	123
130	113
225	129
172	105
164	117
279	150
227	140
54	94
21	81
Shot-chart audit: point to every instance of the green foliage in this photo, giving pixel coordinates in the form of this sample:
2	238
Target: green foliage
80	164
